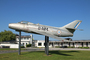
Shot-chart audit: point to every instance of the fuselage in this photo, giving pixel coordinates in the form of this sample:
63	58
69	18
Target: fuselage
39	29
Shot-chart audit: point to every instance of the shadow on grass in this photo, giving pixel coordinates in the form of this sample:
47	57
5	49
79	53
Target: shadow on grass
64	53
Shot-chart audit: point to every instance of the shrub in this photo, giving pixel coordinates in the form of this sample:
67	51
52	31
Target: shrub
28	45
84	47
57	46
63	47
71	47
80	47
22	47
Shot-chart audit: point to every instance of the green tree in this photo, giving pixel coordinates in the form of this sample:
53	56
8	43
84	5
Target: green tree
7	35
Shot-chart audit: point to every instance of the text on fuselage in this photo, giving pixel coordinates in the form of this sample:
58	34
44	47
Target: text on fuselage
42	28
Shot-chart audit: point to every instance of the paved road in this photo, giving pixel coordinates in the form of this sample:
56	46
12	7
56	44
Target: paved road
41	49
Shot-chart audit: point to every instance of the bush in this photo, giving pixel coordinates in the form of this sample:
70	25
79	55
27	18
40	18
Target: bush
84	47
28	45
80	47
22	47
71	47
57	46
63	47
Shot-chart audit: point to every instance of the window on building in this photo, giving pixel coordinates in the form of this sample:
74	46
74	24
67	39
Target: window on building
21	38
17	38
23	43
24	38
49	44
39	44
26	43
27	38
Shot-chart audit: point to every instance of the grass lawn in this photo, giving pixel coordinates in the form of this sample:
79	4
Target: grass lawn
54	55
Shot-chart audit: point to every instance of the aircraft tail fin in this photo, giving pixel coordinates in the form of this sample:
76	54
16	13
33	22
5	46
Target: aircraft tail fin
71	27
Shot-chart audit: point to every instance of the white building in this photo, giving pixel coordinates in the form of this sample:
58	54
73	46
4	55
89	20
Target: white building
74	43
15	43
9	44
24	40
40	43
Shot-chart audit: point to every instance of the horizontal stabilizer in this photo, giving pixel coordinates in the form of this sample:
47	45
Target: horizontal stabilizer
80	29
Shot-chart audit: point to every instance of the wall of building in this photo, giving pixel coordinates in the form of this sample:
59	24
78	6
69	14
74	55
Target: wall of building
40	43
68	44
88	44
10	45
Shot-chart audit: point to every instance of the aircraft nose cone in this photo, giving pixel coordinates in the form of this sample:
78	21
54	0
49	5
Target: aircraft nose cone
15	26
11	25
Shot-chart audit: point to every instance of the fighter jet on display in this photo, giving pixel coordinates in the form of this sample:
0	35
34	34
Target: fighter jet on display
53	32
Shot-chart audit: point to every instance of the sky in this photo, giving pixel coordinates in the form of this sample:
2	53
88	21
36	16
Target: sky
55	13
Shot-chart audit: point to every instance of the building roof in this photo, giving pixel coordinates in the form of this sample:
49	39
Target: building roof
24	36
9	42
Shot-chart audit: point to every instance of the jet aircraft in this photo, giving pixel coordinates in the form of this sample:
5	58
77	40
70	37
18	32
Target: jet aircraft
53	32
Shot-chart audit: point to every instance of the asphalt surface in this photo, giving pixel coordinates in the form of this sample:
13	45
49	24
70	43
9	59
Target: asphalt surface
40	49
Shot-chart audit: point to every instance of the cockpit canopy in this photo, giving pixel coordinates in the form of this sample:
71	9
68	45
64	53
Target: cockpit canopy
25	22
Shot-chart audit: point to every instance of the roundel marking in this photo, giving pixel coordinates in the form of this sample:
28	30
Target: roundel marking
58	31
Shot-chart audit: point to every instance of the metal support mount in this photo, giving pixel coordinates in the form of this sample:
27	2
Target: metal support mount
32	41
19	49
47	45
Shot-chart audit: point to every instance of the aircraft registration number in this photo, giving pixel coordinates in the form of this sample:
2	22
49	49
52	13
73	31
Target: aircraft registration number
43	28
